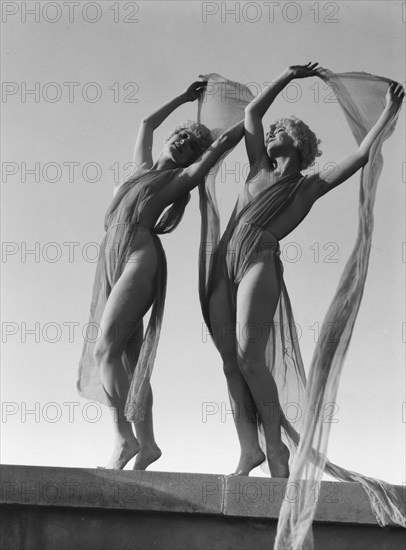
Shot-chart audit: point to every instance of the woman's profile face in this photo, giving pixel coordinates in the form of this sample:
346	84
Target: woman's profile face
183	148
277	140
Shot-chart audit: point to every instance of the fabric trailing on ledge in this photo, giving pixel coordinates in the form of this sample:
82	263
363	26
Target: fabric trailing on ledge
362	99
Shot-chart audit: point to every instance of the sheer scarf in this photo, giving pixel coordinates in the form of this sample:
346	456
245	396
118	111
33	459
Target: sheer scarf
362	99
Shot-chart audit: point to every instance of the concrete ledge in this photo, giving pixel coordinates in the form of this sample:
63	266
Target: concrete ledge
112	489
48	508
177	492
337	502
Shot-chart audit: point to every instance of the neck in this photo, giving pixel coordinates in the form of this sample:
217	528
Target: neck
284	166
164	163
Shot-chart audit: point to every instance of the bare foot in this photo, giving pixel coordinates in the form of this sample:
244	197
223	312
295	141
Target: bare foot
124	451
146	456
248	462
279	461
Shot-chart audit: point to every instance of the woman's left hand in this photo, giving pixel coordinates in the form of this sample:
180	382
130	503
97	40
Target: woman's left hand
194	91
394	96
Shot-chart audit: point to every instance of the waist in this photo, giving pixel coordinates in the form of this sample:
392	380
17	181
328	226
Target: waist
135	225
267	239
243	244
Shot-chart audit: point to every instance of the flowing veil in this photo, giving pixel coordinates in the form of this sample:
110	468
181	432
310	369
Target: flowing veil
361	96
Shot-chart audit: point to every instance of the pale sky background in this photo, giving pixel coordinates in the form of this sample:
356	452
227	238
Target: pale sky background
169	46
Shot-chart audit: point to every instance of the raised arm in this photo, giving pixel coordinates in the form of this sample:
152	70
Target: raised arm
194	174
255	111
326	180
143	144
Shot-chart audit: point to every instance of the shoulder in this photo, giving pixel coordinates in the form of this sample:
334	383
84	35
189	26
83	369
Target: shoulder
132	179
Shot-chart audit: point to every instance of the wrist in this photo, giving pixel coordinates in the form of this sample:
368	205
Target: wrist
287	74
281	80
393	108
182	98
388	112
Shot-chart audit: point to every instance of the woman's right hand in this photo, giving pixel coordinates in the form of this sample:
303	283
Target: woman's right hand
303	71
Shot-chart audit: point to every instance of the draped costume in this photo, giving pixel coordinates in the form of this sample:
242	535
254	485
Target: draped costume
123	223
361	96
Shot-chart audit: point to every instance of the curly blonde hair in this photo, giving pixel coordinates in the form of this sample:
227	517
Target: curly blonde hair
199	131
304	139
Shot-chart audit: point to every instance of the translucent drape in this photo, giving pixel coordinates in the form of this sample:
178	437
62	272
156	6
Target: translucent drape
362	98
123	221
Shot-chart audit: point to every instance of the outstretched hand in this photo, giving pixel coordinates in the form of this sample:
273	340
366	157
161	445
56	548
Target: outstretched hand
194	91
394	96
304	71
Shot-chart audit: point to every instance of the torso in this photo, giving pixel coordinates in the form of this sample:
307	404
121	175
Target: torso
155	201
138	206
144	200
291	216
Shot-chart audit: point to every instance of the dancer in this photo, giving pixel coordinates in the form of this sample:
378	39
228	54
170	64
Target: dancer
244	291
116	364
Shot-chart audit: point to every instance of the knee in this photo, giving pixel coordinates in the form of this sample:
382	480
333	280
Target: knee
249	364
230	363
230	367
105	351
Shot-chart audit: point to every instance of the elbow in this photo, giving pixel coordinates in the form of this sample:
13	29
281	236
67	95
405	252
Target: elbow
230	139
250	109
364	157
147	123
252	114
224	140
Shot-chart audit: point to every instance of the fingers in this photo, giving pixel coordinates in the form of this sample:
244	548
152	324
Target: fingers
200	85
399	91
396	90
311	66
197	88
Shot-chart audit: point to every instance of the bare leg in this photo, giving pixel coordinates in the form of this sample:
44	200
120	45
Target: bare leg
257	299
149	450
243	407
129	300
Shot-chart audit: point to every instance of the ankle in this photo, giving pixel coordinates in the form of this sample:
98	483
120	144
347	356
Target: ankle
252	452
277	451
125	438
149	446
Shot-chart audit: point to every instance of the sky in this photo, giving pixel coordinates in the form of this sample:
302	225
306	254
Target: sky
77	80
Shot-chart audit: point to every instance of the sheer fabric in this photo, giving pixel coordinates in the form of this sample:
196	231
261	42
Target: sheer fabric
362	98
123	222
